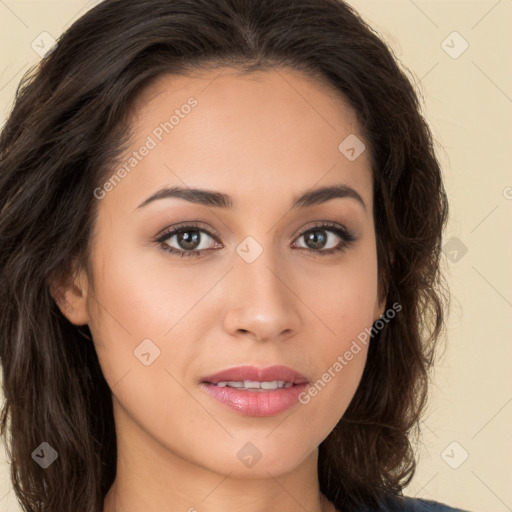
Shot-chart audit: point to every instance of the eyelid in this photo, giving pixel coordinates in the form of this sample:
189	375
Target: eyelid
169	231
322	225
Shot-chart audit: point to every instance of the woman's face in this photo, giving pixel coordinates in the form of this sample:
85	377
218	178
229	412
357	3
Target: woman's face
266	288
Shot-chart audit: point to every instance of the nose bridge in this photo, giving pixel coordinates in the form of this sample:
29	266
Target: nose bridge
263	302
258	267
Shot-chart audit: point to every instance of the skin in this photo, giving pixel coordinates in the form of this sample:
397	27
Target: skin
263	139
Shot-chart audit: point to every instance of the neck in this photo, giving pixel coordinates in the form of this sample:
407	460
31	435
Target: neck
115	501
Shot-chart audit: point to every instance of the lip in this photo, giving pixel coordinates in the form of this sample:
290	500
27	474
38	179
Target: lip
248	372
260	402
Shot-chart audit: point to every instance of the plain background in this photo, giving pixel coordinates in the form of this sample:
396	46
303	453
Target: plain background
466	451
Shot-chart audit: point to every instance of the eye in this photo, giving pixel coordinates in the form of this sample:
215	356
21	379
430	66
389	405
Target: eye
190	240
321	239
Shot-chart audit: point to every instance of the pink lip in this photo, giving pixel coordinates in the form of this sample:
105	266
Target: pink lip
259	402
268	374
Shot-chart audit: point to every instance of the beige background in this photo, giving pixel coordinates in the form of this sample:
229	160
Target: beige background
468	101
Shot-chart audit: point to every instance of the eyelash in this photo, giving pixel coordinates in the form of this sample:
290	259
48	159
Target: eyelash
346	235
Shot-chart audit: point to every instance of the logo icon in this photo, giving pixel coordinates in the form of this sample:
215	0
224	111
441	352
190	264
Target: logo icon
43	44
45	455
352	147
454	455
146	352
454	45
249	455
454	249
249	249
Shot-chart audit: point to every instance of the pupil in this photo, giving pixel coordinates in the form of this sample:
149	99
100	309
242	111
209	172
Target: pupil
188	241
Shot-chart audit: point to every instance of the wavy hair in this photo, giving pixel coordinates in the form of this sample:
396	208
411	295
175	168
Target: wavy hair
68	125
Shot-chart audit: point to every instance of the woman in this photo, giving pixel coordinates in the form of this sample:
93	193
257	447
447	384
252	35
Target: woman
221	225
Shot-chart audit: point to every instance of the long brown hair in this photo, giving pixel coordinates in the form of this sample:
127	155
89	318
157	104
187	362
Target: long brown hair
69	123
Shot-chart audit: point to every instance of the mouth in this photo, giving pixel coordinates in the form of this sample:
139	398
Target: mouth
253	385
252	377
256	391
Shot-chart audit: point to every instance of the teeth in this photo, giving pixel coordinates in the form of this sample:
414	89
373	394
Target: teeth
254	384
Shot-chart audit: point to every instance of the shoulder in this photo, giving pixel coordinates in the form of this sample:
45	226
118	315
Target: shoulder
409	504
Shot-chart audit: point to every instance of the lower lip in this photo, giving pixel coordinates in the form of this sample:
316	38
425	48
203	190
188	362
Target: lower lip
256	403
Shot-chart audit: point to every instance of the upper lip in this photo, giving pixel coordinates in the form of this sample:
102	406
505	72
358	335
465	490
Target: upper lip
247	372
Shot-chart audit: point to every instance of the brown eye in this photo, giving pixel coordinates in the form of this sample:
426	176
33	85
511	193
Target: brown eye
316	239
186	240
325	239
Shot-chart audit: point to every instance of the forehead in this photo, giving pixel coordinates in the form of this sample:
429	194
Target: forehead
225	86
262	132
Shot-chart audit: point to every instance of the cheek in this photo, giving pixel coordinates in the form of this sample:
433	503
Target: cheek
141	296
139	325
343	301
340	361
343	296
133	310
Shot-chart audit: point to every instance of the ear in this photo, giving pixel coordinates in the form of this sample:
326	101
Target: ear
69	290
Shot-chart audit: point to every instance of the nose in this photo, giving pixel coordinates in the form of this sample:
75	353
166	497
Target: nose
262	303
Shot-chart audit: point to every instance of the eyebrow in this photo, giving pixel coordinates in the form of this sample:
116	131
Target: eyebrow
220	200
